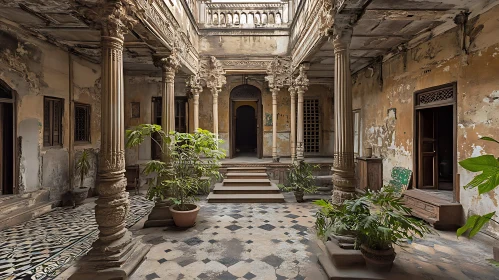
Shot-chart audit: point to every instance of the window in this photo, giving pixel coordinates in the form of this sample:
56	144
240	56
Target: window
181	114
356	132
52	121
82	123
311	125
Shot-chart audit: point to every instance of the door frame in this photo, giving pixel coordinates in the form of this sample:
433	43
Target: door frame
439	103
254	96
15	143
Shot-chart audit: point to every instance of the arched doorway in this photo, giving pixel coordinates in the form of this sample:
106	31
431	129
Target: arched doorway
7	139
246	133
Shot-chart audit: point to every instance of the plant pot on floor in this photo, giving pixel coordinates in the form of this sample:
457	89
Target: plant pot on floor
378	260
186	218
299	196
80	194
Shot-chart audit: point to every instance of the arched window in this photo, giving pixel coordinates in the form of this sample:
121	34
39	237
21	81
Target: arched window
258	20
222	18
236	19
215	19
264	18
278	19
229	18
243	18
271	18
210	19
251	18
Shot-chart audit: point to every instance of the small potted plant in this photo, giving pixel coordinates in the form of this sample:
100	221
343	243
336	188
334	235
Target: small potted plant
383	222
187	158
82	168
300	180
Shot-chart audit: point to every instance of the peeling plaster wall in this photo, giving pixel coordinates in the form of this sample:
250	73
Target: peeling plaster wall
34	69
240	46
387	107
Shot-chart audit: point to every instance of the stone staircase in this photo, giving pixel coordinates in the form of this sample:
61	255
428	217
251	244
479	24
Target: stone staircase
16	209
246	185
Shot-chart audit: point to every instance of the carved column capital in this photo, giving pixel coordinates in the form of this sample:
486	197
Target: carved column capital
342	36
301	82
168	64
292	91
278	72
113	17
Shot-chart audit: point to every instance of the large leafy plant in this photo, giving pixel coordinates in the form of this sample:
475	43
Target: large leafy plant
378	219
300	178
83	165
188	158
485	182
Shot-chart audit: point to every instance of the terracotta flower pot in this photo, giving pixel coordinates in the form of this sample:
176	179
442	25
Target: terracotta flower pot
299	196
79	195
187	218
378	260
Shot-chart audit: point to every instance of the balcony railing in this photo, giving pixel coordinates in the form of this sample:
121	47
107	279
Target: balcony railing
246	15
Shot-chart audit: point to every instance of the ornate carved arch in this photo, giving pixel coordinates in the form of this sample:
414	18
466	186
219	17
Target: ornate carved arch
245	92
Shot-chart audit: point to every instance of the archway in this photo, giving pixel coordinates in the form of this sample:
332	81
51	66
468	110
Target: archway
7	139
246	130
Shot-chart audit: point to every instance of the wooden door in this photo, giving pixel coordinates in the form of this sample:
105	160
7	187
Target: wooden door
259	128
232	120
427	149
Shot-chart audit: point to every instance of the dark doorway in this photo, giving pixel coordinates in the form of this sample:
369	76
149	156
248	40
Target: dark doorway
435	139
7	160
246	121
246	131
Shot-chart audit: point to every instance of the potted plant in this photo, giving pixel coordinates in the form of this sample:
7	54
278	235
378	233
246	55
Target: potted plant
187	158
82	168
377	221
300	180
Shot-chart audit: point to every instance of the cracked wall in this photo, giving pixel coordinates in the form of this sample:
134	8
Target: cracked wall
385	98
34	69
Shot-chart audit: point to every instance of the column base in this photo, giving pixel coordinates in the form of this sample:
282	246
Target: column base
117	266
339	196
160	216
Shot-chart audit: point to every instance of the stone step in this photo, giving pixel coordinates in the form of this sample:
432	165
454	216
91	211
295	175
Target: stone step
358	272
245	198
25	214
246	182
246	175
24	201
344	257
219	189
247	169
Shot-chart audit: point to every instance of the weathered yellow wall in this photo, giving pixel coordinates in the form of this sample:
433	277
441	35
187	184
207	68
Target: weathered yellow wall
34	69
240	46
387	108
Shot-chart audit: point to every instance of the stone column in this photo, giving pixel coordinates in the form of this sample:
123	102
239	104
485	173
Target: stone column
343	164
214	92
195	94
292	93
115	254
160	215
275	92
299	135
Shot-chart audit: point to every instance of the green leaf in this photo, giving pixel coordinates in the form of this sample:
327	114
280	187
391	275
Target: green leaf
474	224
480	163
489	139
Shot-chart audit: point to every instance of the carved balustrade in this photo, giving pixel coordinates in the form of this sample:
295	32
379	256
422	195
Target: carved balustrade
247	15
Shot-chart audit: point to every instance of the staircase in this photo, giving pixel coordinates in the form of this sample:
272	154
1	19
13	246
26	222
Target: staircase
246	185
16	209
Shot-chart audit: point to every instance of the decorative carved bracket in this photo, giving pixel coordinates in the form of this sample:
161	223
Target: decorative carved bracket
194	84
302	82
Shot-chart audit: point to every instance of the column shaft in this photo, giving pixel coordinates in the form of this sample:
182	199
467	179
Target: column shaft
343	165
215	111
292	93
196	110
275	91
299	135
168	105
